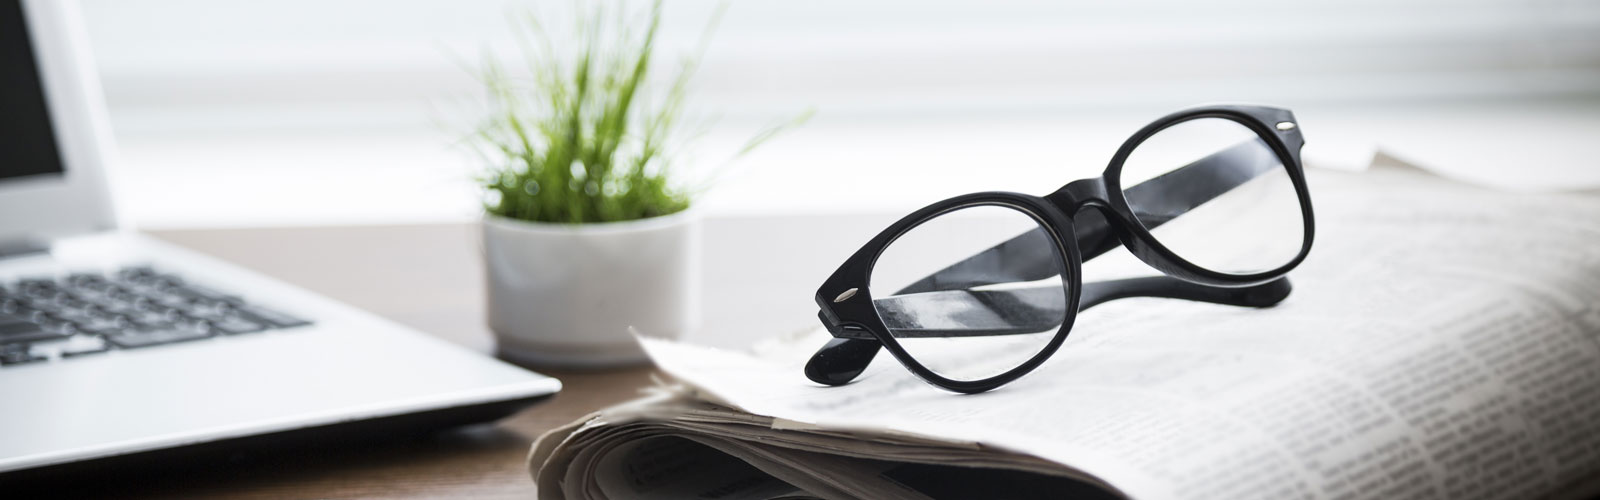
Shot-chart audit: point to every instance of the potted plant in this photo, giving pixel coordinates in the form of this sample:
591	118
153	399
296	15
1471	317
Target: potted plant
589	232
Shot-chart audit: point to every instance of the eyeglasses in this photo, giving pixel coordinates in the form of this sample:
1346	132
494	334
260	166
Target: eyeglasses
972	292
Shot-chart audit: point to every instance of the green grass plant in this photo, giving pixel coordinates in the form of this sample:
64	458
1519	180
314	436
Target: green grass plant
583	139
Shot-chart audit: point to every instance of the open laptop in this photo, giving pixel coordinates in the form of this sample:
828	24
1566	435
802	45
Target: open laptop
114	344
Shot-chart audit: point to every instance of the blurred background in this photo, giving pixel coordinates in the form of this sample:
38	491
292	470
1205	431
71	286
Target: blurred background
326	112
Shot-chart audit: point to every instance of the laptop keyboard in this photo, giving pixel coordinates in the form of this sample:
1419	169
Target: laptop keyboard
82	314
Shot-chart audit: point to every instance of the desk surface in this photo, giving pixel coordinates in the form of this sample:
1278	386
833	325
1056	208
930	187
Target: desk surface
430	278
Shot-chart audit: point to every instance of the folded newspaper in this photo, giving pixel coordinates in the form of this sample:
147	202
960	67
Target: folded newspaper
1443	341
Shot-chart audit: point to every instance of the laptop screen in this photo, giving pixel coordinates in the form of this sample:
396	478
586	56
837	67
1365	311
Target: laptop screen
27	143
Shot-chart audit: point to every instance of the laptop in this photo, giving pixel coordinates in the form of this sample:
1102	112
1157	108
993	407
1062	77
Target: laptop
113	344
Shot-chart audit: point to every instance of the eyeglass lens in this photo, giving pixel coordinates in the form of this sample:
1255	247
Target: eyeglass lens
980	325
1254	227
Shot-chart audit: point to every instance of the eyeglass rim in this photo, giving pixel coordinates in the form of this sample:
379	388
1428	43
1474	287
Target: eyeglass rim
859	304
1147	247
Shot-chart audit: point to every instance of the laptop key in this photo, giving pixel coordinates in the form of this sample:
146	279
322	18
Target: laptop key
70	303
84	279
44	305
152	319
54	324
38	287
102	325
19	354
271	317
84	344
78	315
17	332
145	338
234	324
171	299
135	272
27	314
207	310
203	293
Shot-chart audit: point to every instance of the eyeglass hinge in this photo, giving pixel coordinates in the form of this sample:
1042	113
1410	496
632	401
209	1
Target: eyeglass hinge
842	331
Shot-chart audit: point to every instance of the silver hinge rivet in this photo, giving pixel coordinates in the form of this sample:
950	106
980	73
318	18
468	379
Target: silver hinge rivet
845	296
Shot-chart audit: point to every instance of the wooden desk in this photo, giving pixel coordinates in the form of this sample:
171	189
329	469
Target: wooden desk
758	282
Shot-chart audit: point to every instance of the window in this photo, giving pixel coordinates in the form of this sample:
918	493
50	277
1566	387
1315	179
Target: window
330	110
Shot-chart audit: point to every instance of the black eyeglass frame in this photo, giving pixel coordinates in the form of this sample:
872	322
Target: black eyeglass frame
845	297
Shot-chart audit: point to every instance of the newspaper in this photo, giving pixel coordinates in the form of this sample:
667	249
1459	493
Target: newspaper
1442	341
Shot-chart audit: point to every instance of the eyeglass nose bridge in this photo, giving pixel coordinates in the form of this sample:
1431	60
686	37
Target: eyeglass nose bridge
1078	194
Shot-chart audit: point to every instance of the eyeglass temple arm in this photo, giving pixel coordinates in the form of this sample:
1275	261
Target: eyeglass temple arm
1175	193
843	359
983	313
1156	201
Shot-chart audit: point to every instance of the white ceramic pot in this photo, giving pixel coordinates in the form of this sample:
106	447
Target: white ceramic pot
569	294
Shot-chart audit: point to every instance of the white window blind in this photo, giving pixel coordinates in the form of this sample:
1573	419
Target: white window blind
338	104
313	63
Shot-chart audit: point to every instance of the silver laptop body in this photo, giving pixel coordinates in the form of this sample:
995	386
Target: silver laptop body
116	344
